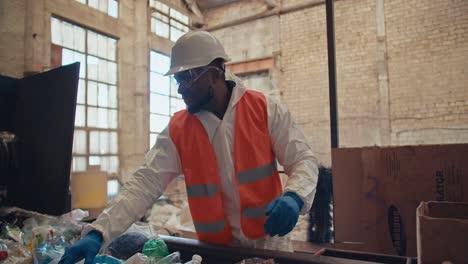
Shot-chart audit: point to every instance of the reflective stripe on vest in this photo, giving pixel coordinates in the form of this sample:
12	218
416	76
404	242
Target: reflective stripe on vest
254	212
213	227
202	190
256	174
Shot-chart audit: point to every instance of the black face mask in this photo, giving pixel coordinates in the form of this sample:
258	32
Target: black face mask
195	108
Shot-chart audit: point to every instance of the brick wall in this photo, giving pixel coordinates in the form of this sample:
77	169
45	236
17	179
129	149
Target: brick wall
428	70
12	40
423	50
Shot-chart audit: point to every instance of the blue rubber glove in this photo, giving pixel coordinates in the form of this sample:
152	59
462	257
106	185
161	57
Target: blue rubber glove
282	214
87	248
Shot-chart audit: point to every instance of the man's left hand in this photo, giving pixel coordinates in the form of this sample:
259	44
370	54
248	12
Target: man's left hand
283	213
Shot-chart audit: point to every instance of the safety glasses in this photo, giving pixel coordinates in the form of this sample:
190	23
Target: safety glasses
190	77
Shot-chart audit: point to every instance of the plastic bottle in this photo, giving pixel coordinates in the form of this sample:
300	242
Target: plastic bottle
3	251
51	251
196	259
155	249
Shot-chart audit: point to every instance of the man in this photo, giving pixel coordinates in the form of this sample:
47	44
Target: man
226	145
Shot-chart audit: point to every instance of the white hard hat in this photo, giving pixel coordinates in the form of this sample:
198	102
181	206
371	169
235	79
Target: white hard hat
195	49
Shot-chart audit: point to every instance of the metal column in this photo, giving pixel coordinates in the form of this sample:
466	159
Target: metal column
332	74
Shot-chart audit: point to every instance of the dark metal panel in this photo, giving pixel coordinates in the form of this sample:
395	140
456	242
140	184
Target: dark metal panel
215	254
45	116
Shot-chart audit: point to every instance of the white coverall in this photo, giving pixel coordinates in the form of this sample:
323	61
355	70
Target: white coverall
162	165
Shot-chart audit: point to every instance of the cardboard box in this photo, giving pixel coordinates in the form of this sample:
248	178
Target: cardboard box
377	190
442	232
89	189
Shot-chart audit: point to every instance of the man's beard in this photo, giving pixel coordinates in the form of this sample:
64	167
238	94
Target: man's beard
197	106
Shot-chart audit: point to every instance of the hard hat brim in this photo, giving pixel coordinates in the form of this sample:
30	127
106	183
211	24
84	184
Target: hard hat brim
182	68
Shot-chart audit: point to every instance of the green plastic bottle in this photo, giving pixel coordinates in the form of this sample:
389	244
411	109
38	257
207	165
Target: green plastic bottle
155	249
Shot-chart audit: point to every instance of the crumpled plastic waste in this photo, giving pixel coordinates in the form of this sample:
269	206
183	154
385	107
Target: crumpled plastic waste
50	251
138	258
127	245
173	258
17	253
106	259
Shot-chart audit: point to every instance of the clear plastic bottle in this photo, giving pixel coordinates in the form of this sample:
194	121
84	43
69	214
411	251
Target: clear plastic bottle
50	251
196	259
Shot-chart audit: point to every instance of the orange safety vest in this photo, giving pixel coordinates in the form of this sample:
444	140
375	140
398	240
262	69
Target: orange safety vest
257	179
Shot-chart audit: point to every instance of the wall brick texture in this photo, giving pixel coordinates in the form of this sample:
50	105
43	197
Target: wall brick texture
425	54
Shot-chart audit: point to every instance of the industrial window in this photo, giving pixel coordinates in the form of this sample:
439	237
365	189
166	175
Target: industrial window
110	7
168	22
164	99
95	140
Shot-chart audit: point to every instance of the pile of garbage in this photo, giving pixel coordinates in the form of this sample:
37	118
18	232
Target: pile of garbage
28	237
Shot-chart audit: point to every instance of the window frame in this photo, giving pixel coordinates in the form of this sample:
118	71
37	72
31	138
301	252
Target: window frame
172	20
86	2
171	96
85	81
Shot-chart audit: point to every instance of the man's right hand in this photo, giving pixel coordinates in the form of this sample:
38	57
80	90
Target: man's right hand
87	248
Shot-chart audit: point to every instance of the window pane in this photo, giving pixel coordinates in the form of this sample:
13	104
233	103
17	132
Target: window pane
92	93
153	25
158	123
94	160
92	118
81	97
159	83
161	28
184	19
112	72
92	67
174	89
102	71
102	118
159	104
56	31
174	13
175	34
78	38
112	96
112	188
92	43
114	164
159	63
79	164
114	144
103	95
67	56
80	57
105	163
94	142
93	3
79	142
111	48
104	142
177	105
113	8
153	138
162	7
103	6
102	46
80	116
67	35
112	122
